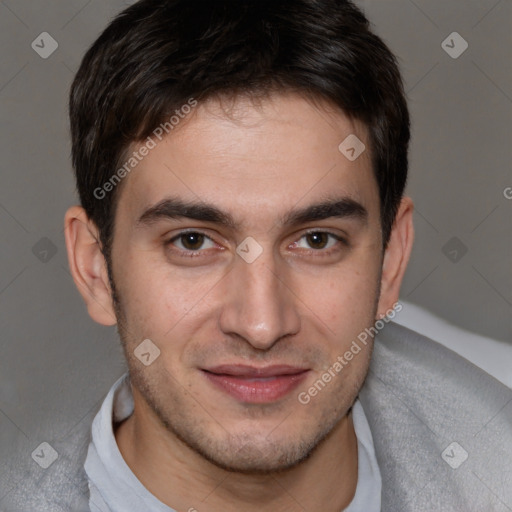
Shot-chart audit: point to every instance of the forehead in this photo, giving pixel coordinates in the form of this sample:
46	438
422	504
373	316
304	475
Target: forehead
255	160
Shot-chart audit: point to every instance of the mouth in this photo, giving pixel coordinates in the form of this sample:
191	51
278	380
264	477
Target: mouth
249	384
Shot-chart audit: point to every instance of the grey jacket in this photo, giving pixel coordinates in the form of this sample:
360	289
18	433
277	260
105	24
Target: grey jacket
442	430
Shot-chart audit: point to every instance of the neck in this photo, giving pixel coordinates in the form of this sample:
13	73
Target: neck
184	480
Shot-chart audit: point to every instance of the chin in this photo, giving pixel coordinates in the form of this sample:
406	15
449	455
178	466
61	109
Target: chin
255	454
252	461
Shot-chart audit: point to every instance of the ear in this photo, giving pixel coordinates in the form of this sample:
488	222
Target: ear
88	266
396	257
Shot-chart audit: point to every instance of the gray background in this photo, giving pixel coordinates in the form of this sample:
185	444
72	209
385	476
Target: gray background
56	364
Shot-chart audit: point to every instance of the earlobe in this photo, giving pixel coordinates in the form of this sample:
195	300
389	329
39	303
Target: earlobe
396	257
87	265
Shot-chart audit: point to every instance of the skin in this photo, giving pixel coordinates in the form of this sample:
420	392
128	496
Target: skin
301	302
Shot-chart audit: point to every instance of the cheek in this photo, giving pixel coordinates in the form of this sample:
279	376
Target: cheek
344	296
158	299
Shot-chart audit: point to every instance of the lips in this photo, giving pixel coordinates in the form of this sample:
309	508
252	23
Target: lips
257	385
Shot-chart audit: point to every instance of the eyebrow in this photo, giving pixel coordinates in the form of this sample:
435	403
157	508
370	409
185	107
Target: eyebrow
176	208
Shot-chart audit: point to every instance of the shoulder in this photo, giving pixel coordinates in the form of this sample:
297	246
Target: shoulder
442	427
61	486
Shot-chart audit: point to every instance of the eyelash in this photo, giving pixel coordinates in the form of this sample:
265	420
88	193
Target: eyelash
318	252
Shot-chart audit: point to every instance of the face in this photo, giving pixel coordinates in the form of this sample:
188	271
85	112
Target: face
248	249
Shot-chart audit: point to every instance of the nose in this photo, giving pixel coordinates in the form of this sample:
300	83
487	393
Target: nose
259	305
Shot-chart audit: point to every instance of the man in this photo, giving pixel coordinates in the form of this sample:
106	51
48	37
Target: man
241	167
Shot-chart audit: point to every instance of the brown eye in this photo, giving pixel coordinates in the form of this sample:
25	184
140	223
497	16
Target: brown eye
191	241
317	240
321	242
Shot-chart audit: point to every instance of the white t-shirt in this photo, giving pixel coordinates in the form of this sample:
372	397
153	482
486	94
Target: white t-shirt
114	488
